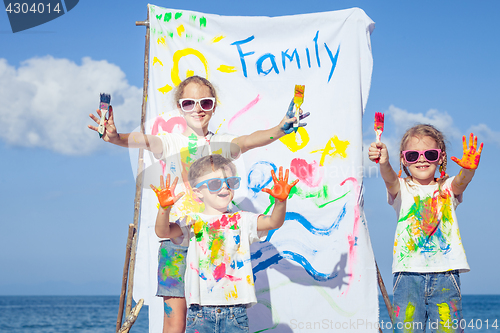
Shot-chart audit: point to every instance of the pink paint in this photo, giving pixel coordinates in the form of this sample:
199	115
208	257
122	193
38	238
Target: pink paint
174	124
245	109
220	272
310	174
352	237
397	311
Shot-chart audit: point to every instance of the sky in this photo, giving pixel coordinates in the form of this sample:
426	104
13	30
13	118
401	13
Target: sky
67	197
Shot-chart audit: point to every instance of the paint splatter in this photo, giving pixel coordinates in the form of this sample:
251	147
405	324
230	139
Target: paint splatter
444	316
310	174
165	89
227	69
244	110
157	61
334	147
217	39
296	141
167	308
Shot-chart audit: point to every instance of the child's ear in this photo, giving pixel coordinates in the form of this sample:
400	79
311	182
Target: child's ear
198	193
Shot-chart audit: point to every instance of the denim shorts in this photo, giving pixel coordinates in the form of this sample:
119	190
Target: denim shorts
211	319
430	302
171	269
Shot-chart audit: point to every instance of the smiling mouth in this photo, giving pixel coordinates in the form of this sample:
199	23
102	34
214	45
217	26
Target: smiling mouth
223	195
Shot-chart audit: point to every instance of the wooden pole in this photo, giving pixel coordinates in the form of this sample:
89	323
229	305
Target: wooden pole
131	230
131	317
140	169
384	292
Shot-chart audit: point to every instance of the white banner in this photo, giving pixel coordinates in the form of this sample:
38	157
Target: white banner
317	272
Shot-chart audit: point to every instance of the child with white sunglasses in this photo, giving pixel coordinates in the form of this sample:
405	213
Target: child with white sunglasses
428	251
196	99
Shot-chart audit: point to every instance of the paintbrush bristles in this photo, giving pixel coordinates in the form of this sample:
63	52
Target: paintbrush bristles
379	121
105	98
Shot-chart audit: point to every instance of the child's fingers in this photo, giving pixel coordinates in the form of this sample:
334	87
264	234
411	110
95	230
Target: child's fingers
471	141
464	143
161	182
302	124
167	183
454	159
480	148
294	183
174	183
281	173
286	176
274	176
154	188
266	190
475	142
305	115
178	196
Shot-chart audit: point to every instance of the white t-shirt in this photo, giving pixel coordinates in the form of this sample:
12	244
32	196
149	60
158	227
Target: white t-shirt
427	236
219	268
179	152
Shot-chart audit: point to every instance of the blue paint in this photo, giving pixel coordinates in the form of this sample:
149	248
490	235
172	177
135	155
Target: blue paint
167	309
261	60
308	58
237	239
284	56
259	176
298	259
291	216
243	55
316	47
333	59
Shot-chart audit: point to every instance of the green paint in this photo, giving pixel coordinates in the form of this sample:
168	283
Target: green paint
178	15
170	34
158	17
168	17
192	18
271	137
203	22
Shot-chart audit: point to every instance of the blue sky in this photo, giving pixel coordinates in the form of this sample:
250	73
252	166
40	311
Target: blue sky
67	197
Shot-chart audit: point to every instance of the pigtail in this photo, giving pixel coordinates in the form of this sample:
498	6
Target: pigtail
444	176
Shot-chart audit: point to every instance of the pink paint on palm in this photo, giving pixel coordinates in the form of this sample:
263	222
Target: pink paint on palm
310	174
244	110
352	238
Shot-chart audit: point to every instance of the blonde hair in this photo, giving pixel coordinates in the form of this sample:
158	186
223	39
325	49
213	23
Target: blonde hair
207	164
422	130
179	91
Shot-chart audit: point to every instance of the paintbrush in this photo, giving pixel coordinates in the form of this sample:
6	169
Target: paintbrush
298	99
379	126
104	107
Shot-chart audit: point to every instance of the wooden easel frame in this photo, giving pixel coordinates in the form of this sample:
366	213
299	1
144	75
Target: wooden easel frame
129	266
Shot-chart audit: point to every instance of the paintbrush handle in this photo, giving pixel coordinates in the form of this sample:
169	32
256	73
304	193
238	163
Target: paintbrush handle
101	128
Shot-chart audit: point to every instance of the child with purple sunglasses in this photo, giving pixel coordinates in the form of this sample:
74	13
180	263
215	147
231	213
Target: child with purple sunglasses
428	251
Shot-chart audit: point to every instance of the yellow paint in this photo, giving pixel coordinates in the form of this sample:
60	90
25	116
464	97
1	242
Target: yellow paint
161	40
249	280
409	313
444	315
296	141
227	69
180	30
333	147
197	227
445	289
218	152
218	128
182	53
156	60
165	89
189	73
395	245
231	292
217	39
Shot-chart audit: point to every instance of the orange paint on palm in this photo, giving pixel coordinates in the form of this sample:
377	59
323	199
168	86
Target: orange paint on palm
471	155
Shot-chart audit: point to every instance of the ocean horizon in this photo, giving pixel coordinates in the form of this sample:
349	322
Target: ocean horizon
98	314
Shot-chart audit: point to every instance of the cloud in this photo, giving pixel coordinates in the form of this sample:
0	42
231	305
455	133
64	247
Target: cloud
403	120
46	102
485	134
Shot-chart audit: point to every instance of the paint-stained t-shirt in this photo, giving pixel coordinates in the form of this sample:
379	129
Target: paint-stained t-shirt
427	236
219	269
179	152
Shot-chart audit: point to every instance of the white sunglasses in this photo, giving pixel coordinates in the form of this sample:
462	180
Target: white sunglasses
188	104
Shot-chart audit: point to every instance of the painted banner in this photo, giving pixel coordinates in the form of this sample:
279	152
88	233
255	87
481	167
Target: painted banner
316	272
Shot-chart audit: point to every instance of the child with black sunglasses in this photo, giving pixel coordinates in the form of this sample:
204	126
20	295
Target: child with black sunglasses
219	278
196	100
428	251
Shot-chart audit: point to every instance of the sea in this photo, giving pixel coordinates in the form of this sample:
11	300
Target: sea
98	314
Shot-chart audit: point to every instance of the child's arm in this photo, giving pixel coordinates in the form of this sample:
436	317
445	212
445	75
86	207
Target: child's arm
163	227
280	192
469	164
127	140
378	151
264	137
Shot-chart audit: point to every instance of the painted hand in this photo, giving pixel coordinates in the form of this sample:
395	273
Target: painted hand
470	159
281	188
166	195
287	122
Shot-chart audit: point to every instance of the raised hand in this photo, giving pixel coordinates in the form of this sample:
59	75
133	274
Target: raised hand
471	156
286	124
166	195
110	132
281	188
